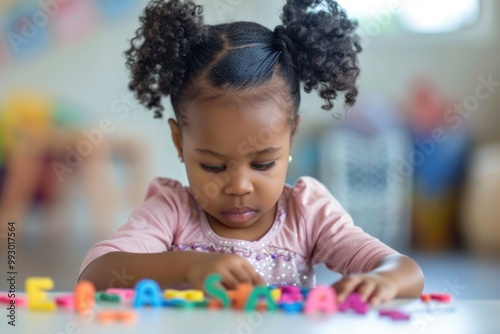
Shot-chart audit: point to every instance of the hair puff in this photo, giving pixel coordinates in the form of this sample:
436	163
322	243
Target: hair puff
157	57
327	47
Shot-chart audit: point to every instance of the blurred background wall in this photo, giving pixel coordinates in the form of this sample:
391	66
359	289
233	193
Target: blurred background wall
415	161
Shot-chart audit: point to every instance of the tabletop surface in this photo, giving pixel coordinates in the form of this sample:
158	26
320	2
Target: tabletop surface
462	316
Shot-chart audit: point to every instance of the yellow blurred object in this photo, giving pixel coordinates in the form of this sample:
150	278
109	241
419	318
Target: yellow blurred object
26	119
36	288
191	295
433	217
276	294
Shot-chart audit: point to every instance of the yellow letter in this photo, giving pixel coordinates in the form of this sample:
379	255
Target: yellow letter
37	298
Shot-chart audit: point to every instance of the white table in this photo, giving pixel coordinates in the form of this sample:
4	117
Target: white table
468	316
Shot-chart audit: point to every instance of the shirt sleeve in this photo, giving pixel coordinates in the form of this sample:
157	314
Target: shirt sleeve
150	228
333	238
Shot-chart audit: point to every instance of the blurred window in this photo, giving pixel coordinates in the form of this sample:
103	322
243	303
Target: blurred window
415	16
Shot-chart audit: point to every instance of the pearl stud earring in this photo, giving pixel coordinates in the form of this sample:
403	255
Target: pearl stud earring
289	158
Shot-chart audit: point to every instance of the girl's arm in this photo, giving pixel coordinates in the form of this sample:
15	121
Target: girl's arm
404	272
394	276
123	269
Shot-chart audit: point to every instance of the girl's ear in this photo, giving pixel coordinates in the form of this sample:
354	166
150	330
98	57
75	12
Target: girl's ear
176	135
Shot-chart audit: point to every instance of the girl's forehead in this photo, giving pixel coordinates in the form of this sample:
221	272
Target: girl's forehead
223	123
229	109
265	102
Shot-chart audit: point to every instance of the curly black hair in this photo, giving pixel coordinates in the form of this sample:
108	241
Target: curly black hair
175	54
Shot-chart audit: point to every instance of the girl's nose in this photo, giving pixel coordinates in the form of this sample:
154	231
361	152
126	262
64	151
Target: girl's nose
239	185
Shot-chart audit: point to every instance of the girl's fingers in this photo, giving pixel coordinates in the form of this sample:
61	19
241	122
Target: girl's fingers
377	296
229	281
241	274
372	289
382	294
345	286
366	289
256	278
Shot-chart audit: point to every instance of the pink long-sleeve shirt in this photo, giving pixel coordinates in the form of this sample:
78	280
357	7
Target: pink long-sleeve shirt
310	227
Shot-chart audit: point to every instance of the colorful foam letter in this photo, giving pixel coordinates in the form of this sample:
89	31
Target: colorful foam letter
194	295
354	302
290	294
276	294
18	300
292	307
394	314
441	297
127	316
425	298
37	298
147	292
66	301
84	297
321	298
190	295
107	297
212	287
257	293
125	294
240	295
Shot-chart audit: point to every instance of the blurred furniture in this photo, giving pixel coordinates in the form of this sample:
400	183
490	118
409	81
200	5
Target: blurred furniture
438	158
480	223
360	166
40	137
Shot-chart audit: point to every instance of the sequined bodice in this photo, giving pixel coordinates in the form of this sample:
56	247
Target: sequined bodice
276	265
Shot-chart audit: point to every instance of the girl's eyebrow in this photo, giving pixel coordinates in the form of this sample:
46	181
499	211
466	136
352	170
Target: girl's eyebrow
218	155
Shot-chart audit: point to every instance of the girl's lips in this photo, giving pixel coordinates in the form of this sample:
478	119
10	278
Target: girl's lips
239	217
239	210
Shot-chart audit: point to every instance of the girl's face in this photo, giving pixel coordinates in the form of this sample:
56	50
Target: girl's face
236	161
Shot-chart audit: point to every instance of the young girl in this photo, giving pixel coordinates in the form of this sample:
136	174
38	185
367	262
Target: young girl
235	91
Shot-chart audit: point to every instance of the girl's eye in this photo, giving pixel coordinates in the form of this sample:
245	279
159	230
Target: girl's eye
213	169
221	168
263	167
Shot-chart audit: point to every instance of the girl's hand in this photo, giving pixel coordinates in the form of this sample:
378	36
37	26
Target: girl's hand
373	288
233	269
